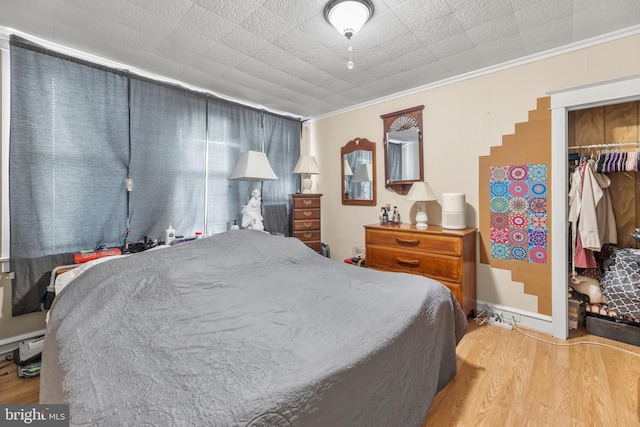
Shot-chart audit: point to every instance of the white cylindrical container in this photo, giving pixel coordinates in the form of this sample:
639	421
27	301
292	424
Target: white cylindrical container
170	236
454	211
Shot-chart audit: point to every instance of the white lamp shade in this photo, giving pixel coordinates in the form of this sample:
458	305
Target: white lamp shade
252	166
347	169
421	192
348	16
363	173
308	165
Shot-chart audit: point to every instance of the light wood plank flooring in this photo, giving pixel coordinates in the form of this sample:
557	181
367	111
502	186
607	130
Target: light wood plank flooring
506	379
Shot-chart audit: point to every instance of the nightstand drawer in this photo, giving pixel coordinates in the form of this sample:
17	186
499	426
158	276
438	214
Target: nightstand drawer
428	264
306	202
302	214
302	225
434	243
307	236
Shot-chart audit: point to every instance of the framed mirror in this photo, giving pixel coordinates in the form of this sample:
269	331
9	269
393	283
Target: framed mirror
358	168
403	155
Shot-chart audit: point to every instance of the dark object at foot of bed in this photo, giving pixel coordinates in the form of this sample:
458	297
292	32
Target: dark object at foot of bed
613	330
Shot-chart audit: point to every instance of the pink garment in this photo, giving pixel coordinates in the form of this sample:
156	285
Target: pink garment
584	258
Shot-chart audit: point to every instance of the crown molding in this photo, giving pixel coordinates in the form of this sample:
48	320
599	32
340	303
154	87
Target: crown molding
616	35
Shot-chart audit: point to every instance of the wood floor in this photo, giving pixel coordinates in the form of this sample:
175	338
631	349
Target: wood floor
506	379
14	389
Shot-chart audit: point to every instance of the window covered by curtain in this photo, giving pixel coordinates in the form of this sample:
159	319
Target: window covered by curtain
68	161
232	129
79	129
168	130
68	155
282	145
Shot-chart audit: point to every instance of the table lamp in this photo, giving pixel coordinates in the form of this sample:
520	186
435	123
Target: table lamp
252	166
306	166
421	192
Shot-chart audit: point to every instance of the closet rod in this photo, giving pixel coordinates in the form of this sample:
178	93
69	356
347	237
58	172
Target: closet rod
613	144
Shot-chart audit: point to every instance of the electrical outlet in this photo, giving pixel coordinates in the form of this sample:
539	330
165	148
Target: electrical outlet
507	316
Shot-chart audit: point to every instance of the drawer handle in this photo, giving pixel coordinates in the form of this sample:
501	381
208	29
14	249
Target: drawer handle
306	224
413	242
307	202
414	262
307	235
307	213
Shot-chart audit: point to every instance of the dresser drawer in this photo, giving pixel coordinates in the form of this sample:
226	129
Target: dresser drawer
307	236
435	243
306	202
427	264
302	214
302	225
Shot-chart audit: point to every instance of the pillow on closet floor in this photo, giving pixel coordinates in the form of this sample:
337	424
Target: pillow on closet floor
621	283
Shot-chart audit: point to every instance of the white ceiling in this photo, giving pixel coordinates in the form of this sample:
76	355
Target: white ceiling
284	56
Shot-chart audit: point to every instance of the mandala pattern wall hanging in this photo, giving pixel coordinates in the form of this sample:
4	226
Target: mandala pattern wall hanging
518	201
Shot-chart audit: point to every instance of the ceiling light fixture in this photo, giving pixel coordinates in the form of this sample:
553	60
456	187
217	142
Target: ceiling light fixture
348	16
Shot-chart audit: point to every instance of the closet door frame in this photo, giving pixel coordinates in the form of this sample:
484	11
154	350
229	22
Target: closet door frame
594	95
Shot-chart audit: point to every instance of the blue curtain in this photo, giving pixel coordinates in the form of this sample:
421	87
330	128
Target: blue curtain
78	130
168	130
282	145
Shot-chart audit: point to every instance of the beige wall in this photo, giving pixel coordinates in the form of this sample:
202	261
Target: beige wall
13	326
462	121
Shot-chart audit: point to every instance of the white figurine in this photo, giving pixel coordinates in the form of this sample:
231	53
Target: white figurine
251	215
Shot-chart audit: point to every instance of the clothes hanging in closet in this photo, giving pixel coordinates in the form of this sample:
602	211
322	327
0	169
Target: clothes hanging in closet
617	162
590	213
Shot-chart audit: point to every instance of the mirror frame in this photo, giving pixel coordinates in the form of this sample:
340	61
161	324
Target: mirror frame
415	114
354	145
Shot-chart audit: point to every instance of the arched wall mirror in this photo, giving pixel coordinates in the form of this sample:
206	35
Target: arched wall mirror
358	166
403	164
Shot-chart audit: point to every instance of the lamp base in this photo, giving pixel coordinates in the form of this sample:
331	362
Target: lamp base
306	183
421	219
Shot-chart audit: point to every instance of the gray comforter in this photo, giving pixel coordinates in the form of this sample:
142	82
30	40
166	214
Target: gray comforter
248	329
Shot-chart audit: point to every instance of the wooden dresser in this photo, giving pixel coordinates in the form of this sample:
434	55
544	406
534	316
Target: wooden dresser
448	256
306	219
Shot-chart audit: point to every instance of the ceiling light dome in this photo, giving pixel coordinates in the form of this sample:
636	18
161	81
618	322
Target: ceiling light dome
348	16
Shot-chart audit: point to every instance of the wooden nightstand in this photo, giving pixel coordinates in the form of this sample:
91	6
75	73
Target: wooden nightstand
448	256
306	219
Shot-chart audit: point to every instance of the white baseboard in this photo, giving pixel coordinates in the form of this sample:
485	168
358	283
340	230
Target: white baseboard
526	319
7	345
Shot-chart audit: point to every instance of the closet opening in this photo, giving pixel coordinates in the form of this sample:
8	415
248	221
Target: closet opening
604	202
587	107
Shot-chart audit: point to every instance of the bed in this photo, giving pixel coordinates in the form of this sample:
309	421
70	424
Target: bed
248	329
